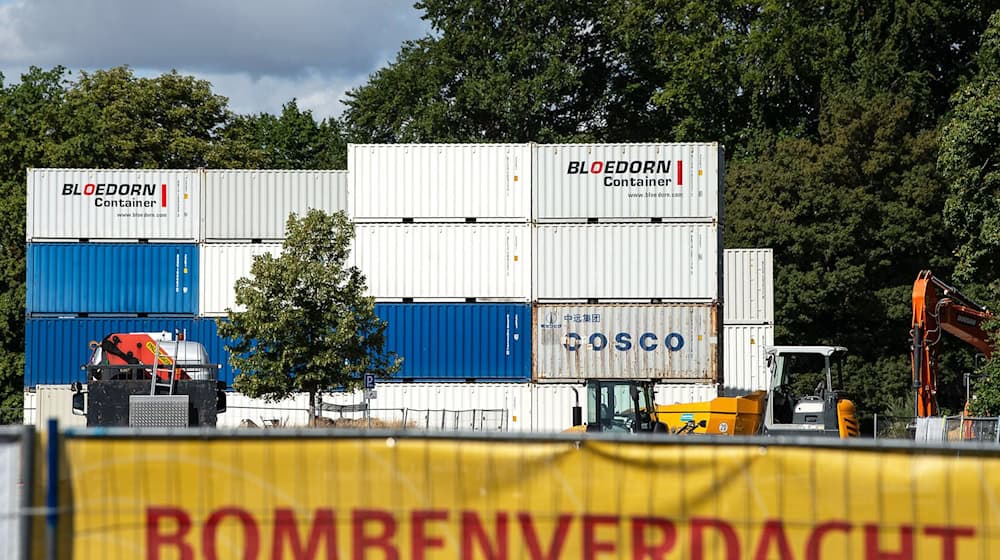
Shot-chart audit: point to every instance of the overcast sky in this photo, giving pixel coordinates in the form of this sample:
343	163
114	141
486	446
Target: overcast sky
258	53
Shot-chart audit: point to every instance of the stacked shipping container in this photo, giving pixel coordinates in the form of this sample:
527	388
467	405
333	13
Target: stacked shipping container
108	251
122	251
444	239
612	252
627	240
748	319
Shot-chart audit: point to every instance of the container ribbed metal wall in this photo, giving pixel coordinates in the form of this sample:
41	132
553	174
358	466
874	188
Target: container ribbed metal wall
668	342
56	348
112	204
221	265
459	341
112	278
440	182
255	204
744	368
683	393
445	262
671	182
749	286
669	262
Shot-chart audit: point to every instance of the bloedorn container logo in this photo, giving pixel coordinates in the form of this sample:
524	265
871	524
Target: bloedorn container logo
648	167
125	195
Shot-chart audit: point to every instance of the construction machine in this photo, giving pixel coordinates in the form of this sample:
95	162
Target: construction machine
792	405
940	308
149	380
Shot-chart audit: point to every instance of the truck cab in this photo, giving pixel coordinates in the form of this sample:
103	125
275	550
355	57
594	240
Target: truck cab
620	405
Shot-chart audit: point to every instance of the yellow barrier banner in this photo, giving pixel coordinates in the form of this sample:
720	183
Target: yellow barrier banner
389	498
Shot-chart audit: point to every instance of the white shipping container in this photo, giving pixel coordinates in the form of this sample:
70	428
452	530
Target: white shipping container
666	342
246	412
748	295
221	264
445	262
672	182
684	393
488	182
255	204
112	204
56	401
744	369
668	262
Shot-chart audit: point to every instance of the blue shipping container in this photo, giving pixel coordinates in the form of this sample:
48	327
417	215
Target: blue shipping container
55	349
112	278
459	341
439	342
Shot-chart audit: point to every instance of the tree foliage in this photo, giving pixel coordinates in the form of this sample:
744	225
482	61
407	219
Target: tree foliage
844	213
970	161
291	140
307	325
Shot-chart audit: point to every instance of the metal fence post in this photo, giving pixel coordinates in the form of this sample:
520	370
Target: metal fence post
27	497
52	490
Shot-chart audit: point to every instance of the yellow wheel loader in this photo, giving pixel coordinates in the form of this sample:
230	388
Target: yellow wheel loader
801	400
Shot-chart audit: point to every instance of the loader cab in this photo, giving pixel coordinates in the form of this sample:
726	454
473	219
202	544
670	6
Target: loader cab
619	406
804	396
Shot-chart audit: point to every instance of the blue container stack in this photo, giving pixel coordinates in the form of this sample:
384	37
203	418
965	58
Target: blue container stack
108	251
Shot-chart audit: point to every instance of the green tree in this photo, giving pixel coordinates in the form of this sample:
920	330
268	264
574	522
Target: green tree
292	140
970	162
113	119
307	325
491	71
851	217
29	127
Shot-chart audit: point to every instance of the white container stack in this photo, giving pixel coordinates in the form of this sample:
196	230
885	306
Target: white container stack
748	317
636	224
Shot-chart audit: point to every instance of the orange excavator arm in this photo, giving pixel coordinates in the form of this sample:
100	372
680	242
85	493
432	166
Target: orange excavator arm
937	308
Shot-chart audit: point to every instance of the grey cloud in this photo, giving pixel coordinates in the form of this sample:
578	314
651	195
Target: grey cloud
260	38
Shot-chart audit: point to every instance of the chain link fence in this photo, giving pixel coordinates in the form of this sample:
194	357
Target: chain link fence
946	428
894	427
474	420
960	428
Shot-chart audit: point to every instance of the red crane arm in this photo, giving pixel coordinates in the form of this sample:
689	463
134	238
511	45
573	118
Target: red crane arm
937	308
